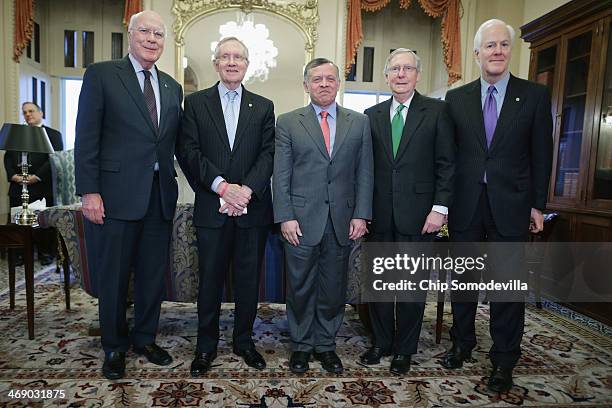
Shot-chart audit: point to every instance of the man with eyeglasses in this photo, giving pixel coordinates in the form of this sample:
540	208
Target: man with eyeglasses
128	119
227	143
414	166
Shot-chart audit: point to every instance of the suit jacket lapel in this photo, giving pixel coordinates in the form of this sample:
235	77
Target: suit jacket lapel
313	128
414	117
474	112
127	75
164	98
343	124
213	104
512	102
383	122
244	119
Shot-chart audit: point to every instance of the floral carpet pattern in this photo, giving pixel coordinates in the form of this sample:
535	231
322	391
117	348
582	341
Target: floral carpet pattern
563	364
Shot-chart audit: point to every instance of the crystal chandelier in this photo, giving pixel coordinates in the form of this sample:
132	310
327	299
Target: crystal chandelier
262	52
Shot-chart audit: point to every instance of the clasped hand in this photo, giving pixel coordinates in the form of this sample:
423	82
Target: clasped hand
236	199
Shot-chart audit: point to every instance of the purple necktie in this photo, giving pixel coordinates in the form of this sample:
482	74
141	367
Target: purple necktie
489	112
149	96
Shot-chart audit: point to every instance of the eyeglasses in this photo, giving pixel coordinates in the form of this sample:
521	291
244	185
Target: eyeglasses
227	58
145	32
397	68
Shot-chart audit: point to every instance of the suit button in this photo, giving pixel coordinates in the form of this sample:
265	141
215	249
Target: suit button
328	181
326	201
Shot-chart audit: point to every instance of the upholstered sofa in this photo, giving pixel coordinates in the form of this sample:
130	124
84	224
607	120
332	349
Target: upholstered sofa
182	273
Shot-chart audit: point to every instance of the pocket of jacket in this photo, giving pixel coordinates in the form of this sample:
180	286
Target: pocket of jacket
521	186
298	201
110	165
350	202
423	188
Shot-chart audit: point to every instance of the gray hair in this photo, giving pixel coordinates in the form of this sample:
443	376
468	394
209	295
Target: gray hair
245	50
317	62
402	51
137	16
487	24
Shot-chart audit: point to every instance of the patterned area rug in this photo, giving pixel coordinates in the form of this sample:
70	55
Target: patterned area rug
563	364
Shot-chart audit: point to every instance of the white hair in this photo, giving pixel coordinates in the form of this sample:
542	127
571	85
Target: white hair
137	16
487	24
245	50
398	51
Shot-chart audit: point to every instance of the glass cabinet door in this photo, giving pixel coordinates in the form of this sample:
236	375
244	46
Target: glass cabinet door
602	177
574	100
545	66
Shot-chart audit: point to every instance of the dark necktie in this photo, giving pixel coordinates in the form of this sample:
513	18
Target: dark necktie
489	113
149	96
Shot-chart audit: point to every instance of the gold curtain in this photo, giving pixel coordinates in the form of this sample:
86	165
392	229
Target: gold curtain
24	26
131	7
354	34
451	33
448	10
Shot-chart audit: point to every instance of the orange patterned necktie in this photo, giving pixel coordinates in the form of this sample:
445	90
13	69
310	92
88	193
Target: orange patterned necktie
325	130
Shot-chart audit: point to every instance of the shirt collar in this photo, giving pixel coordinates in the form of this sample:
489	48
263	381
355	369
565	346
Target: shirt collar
138	68
331	109
224	90
395	103
500	85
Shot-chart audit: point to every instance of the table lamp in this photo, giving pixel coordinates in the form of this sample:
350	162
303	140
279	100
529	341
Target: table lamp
25	139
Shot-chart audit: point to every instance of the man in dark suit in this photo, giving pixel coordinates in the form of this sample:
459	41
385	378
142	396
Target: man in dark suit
39	181
128	119
227	144
503	129
412	139
322	198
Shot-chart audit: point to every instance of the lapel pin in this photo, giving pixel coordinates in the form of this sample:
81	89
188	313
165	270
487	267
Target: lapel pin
517	99
250	105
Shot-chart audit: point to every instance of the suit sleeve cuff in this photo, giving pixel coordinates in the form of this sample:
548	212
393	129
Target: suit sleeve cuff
440	209
215	184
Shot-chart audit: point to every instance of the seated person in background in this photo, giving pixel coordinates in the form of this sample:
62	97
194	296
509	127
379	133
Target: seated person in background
39	179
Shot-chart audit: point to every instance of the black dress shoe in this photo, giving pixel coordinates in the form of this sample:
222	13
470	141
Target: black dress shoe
400	364
455	357
298	363
500	379
373	355
114	365
330	361
154	354
252	358
201	363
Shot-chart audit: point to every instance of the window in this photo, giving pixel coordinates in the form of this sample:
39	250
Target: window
88	48
43	97
36	42
71	90
70	49
35	90
361	100
116	45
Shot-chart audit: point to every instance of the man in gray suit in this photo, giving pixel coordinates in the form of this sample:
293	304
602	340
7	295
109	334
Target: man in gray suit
322	198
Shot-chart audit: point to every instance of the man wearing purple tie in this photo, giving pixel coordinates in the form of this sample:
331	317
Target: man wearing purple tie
503	132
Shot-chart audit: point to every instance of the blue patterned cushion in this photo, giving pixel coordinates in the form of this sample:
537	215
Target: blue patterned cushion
62	172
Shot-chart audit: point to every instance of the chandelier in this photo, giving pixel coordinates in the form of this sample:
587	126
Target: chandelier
262	52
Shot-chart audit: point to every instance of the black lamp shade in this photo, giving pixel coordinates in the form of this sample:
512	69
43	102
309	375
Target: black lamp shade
24	138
